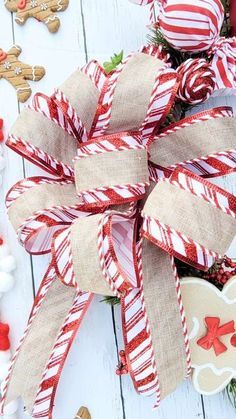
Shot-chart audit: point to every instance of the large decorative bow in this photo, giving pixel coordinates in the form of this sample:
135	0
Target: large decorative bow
89	218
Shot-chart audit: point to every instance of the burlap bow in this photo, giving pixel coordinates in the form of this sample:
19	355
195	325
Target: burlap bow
89	219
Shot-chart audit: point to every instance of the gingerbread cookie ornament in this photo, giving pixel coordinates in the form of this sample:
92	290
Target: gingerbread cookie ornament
42	10
211	322
17	73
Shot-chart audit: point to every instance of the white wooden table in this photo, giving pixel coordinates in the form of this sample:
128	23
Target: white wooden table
90	29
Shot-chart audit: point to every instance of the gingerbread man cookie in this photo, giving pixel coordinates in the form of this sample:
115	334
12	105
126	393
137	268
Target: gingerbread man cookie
42	10
17	73
211	322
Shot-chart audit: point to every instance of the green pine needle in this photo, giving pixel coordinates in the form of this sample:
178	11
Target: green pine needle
231	392
113	301
109	66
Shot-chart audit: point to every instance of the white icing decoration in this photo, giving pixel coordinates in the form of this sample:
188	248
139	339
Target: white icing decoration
19	89
7	65
59	5
216	371
43	7
33	3
51	18
195	328
17	71
33	72
19	19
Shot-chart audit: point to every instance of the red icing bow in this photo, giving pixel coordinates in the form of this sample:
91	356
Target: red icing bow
4	340
213	334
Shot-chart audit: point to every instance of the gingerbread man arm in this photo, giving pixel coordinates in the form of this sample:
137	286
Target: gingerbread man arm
34	73
15	50
21	18
59	5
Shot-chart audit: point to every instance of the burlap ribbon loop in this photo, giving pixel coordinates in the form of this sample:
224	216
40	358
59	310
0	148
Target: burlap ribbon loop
185	216
195	144
96	180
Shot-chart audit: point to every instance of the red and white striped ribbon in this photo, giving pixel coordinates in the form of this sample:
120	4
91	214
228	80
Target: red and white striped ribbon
215	164
43	405
175	242
117	250
137	338
103	114
46	283
161	101
37	231
38	157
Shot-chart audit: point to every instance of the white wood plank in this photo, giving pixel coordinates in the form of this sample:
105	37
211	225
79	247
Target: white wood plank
112	26
14	305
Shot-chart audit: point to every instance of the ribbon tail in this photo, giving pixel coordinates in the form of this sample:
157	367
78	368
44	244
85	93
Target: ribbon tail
47	316
44	402
204	343
219	347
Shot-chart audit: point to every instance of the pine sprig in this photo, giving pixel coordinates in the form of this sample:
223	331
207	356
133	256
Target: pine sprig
113	301
231	392
111	65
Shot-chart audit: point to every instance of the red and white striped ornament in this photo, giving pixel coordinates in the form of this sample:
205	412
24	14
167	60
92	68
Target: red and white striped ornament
191	26
223	54
197	81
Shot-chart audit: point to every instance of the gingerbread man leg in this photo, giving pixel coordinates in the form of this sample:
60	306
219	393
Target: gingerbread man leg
51	20
22	88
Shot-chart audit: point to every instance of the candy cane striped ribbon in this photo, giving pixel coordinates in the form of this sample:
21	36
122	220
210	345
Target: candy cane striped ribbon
215	164
175	241
43	405
138	340
39	157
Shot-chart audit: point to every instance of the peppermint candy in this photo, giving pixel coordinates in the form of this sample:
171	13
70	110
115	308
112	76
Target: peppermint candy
197	81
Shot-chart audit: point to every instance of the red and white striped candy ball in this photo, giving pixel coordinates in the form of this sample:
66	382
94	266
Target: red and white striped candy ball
191	25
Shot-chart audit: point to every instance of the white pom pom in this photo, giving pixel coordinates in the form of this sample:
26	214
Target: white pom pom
4	250
4	369
2	163
6	282
5	356
11	407
8	264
